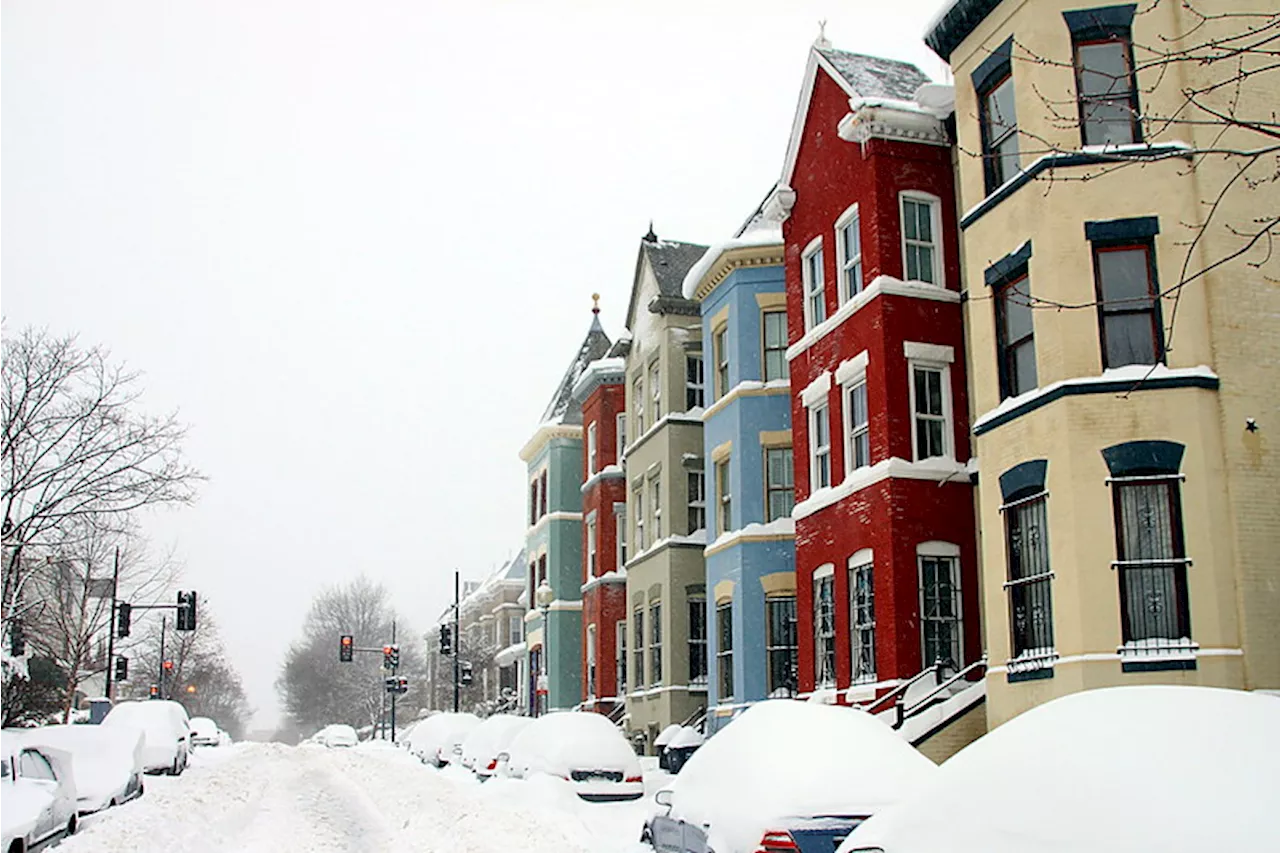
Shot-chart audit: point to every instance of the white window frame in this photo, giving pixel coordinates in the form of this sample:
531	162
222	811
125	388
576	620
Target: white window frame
935	220
720	352
824	573
823	407
936	549
862	559
700	386
948	416
593	565
515	629
853	430
656	670
620	536
697	498
639	518
637	403
620	437
724	496
620	657
813	289
592	447
655	494
847	292
655	389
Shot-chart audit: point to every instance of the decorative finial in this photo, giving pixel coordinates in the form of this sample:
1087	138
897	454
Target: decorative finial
595	303
822	36
651	237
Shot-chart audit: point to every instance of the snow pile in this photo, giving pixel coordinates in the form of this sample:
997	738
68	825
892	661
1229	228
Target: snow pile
785	526
104	759
571	740
1153	769
783	758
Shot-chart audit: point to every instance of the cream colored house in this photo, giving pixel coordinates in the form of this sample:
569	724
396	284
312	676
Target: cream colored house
666	503
1123	380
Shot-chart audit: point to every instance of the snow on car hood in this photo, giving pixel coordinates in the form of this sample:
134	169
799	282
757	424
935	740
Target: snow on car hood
1151	769
23	803
572	740
784	758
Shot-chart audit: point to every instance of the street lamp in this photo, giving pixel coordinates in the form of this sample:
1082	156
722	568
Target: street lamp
543	598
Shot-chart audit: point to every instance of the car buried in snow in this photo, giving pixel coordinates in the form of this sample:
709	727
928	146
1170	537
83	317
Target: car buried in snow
580	747
785	776
483	745
165	728
204	732
37	794
106	761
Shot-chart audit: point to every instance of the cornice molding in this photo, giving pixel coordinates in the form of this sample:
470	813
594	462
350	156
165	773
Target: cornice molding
742	257
546	433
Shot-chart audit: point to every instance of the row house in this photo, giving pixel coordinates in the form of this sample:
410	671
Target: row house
1126	489
750	605
554	542
601	392
666	494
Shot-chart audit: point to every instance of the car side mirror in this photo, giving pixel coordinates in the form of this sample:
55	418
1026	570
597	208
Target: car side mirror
504	756
663	797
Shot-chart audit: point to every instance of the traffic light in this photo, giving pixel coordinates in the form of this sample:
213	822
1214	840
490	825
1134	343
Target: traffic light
17	639
464	673
122	668
124	612
395	656
346	646
154	692
168	666
446	640
402	685
390	684
187	611
386	656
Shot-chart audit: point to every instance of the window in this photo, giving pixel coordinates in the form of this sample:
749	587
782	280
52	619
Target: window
655	490
780	482
515	628
824	627
725	518
637	404
862	609
695	383
1027	552
533	501
1107	92
697	642
1151	558
849	240
592	568
815	287
1128	311
999	133
542	499
591	448
724	650
542	569
655	388
655	643
620	437
33	765
1015	338
819	447
929	393
637	655
620	651
920	234
940	610
591	661
697	501
775	345
638	500
620	535
720	343
780	644
857	427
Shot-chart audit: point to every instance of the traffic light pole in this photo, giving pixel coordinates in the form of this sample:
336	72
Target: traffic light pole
111	634
164	622
457	638
394	670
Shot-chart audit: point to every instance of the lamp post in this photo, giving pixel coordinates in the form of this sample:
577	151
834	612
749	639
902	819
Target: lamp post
544	596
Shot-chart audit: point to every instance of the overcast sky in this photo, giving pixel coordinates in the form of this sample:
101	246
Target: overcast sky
354	244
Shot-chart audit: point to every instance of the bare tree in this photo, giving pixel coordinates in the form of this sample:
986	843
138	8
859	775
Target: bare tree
75	446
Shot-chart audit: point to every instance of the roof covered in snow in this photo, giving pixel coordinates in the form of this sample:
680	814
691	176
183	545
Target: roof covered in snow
671	260
562	409
875	76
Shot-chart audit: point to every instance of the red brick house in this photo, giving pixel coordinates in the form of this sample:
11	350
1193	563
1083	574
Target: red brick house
601	390
886	560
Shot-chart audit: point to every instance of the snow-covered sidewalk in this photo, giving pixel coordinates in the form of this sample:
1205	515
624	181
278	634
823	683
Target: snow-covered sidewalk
268	797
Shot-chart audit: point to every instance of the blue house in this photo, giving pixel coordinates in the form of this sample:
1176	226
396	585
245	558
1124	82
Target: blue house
750	561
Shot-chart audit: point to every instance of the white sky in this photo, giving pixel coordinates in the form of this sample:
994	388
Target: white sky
354	244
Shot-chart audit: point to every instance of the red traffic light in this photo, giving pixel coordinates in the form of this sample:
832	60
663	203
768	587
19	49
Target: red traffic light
386	650
168	664
346	639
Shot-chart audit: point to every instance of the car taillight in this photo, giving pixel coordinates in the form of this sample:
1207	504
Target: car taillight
493	764
634	779
777	841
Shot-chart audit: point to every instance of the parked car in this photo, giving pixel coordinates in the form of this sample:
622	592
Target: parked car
486	741
337	735
785	775
1142	769
105	760
680	748
204	732
166	730
37	794
434	739
581	747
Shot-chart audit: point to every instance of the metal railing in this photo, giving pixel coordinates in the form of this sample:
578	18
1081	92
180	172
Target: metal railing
904	713
895	695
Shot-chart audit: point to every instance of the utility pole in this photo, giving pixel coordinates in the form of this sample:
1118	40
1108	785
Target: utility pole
457	637
395	669
111	633
164	622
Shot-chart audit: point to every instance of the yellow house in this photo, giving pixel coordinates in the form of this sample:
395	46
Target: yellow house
1123	338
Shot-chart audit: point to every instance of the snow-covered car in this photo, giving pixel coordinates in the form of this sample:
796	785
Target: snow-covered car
1143	769
204	732
434	739
105	760
224	738
681	747
486	741
37	794
785	775
582	748
166	730
337	735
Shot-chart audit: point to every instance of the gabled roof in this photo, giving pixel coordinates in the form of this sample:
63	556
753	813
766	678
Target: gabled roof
562	409
860	76
670	261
